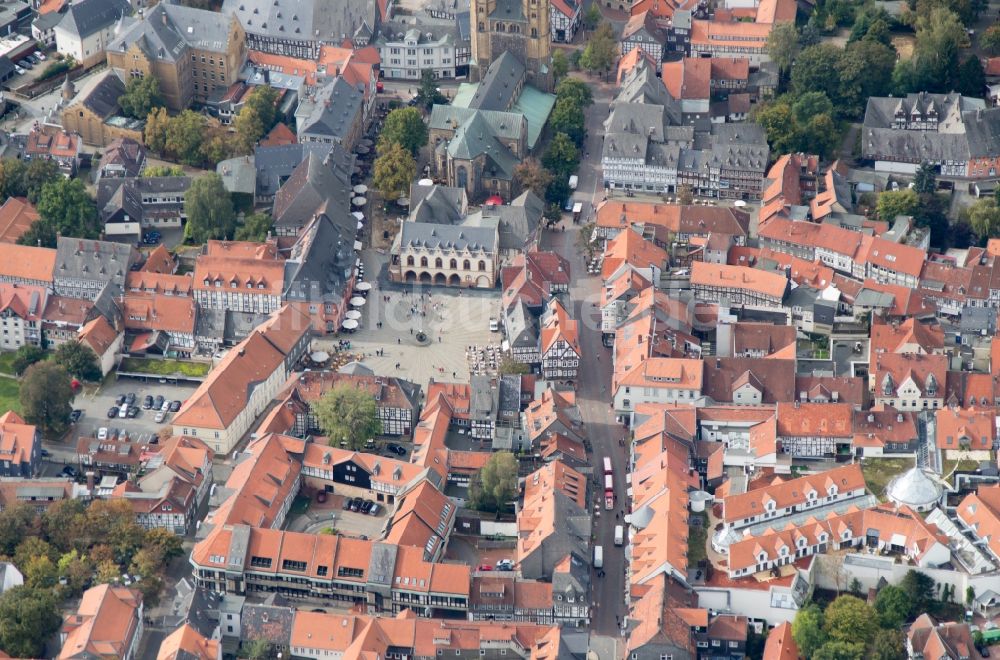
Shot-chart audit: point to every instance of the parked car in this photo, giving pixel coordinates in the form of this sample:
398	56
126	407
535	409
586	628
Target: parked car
130	398
75	416
160	416
175	405
158	402
18	70
133	412
147	402
356	504
485	567
165	406
46	453
347	504
31	58
102	433
375	510
396	449
119	400
112	411
70	471
505	565
366	506
25	64
39	55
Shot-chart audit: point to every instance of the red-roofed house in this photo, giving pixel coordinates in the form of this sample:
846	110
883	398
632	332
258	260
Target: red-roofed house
20	446
966	429
104	340
107	624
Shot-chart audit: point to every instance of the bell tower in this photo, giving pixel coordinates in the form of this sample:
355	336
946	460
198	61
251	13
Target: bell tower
520	27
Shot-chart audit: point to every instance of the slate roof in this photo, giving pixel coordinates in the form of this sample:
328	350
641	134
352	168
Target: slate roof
125	194
416	234
518	220
102	97
506	125
81	259
475	138
86	17
428	30
334	111
127	153
309	20
275	164
496	90
312	188
436	204
319	266
965	128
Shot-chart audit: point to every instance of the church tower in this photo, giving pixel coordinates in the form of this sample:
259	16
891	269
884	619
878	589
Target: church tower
520	27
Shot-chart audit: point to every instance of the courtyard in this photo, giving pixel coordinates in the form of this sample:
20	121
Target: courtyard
419	333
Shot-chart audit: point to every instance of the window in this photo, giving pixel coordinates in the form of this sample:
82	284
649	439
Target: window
292	565
260	562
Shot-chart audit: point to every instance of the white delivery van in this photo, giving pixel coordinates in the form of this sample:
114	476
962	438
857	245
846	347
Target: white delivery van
619	535
598	556
573	182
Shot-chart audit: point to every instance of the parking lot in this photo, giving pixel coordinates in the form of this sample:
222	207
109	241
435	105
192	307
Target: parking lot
95	408
331	514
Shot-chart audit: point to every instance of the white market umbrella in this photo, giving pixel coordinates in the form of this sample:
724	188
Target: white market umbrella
360	189
361	226
353	314
350	324
357	301
357	245
363	286
320	356
359	215
425	182
359	201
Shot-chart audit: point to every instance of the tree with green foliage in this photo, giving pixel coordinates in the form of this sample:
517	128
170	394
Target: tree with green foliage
347	414
255	227
28	617
802	123
989	40
592	17
815	70
429	94
406	127
865	69
871	18
919	590
558	191
562	158
258	649
783	45
808	630
934	64
575	90
79	360
394	171
984	218
560	64
892	203
510	366
16	522
809	104
925	179
495	484
155	131
38	173
970	595
209	210
62	523
142	94
970	79
567	118
892	606
45	396
778	121
837	649
889	644
25	356
263	100
849	619
530	175
601	51
64	207
162	170
249	130
185	137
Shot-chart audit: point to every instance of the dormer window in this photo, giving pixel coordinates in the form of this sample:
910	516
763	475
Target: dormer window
832	490
770	505
762	557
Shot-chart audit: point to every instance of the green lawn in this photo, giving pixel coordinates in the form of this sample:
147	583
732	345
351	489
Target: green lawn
880	471
7	362
164	367
964	464
9	396
697	537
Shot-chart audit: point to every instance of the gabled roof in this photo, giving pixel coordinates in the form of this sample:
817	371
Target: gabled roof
103	625
16	216
86	17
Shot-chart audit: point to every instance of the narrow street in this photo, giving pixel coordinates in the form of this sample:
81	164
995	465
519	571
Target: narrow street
593	395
